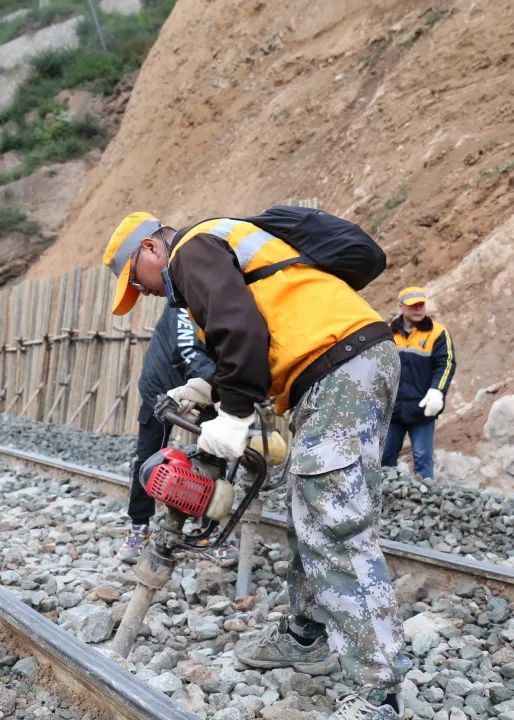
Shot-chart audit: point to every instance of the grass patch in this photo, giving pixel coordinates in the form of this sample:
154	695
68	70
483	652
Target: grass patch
396	199
13	219
377	219
390	203
40	17
51	135
435	15
430	18
505	168
412	39
56	139
376	50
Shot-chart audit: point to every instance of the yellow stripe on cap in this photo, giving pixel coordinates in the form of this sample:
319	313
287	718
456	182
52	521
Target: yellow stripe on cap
412	295
124	242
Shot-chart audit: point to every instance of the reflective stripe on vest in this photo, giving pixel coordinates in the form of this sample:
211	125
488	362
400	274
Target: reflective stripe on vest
252	239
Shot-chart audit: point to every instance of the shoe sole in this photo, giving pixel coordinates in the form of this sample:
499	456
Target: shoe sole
323	667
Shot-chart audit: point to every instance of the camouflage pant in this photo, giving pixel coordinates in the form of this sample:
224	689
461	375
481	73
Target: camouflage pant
338	575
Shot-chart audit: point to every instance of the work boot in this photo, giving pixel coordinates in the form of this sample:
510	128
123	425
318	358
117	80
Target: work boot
276	648
367	703
133	546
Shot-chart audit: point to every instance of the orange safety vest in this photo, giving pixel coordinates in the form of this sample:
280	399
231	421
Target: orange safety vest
307	311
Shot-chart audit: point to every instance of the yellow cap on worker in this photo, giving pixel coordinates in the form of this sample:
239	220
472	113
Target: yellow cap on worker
412	295
124	242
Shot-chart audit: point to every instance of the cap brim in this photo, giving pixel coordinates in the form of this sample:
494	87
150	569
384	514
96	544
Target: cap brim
414	301
126	295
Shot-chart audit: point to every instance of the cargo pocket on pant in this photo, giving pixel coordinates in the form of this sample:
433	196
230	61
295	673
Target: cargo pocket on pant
328	481
324	457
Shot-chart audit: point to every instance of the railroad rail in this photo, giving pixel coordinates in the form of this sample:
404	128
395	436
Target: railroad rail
442	570
82	669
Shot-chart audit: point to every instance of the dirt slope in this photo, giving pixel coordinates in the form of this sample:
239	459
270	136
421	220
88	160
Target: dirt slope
395	113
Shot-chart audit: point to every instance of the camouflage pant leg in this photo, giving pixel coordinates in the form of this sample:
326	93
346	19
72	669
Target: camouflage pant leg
338	574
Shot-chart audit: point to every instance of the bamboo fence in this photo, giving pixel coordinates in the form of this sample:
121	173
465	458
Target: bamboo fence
65	359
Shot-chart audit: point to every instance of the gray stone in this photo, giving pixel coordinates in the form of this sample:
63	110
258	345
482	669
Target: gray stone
425	623
270	697
90	623
10	577
167	683
203	627
218	603
466	589
507	632
68	599
7	700
433	694
499	610
27	666
165	660
460	686
409	587
189	586
421	708
504	707
500	422
500	694
479	703
507	670
421	644
470	652
457	714
230	713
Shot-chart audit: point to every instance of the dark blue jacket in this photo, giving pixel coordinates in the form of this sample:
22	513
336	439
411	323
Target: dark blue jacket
428	361
174	355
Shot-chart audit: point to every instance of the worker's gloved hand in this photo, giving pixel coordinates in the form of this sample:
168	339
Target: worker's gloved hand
226	435
196	392
432	402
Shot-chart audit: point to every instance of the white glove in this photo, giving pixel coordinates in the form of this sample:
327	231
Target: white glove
432	402
226	435
195	392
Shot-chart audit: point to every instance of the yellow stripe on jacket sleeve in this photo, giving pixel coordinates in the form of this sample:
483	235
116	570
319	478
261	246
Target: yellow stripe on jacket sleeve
449	361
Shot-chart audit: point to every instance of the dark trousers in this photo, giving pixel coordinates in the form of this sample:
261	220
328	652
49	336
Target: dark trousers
151	437
422	441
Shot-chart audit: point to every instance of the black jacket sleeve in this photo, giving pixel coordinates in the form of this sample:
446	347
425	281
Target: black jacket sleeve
443	362
207	275
190	356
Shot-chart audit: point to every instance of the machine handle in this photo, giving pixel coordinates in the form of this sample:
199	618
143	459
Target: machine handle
166	412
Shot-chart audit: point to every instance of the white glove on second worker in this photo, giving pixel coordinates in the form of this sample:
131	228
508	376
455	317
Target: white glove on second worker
433	402
226	435
195	392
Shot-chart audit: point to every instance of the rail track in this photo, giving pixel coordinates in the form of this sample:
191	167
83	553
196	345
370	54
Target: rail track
82	670
442	570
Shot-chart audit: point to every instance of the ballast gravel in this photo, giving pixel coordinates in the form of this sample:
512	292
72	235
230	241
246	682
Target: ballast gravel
57	554
30	692
459	520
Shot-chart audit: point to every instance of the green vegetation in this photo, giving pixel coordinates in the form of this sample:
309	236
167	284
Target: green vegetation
430	18
376	50
12	219
505	168
38	17
396	198
501	169
390	203
434	15
36	125
412	39
377	219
